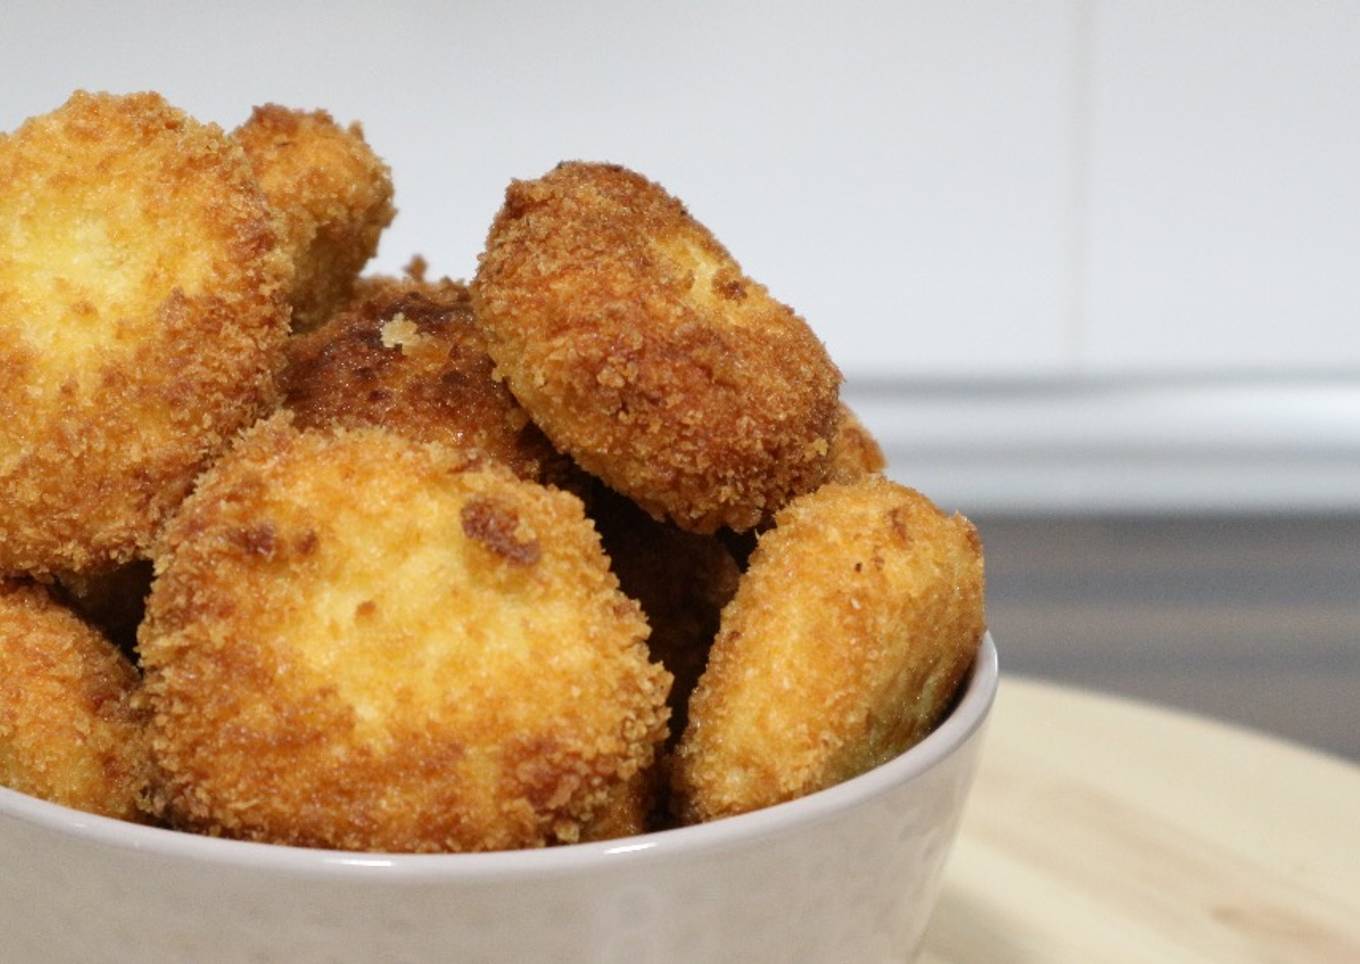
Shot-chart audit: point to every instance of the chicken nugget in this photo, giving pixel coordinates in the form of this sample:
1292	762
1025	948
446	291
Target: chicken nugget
625	810
681	579
855	453
859	615
635	342
142	318
68	730
406	355
333	197
352	643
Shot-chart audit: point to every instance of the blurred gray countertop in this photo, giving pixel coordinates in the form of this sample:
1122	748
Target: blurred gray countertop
1251	619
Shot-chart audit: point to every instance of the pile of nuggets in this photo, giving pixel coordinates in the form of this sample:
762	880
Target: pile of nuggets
587	547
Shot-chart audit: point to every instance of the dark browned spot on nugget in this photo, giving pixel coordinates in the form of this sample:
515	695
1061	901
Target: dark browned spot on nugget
899	518
257	540
733	290
494	525
307	543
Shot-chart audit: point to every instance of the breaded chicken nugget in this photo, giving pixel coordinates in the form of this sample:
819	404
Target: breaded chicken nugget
681	579
406	355
638	346
351	643
332	194
142	319
68	731
855	453
849	633
625	810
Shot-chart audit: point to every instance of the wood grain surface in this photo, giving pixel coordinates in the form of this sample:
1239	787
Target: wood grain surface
1102	829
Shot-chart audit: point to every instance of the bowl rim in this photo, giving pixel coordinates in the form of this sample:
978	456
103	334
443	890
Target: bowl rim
967	717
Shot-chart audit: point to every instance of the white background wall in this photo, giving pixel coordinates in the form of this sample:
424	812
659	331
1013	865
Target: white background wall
1070	253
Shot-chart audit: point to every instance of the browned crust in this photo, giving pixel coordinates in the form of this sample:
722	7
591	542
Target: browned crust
504	707
333	197
95	452
68	731
855	453
625	811
638	346
495	526
430	380
860	613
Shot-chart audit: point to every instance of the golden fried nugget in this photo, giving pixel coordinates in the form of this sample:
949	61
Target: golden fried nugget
405	355
626	809
855	453
681	579
68	731
638	346
859	615
142	318
351	643
332	194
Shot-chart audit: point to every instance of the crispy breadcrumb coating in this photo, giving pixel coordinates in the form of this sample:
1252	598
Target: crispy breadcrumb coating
638	346
351	643
855	453
332	194
681	579
142	317
625	810
406	355
68	731
859	615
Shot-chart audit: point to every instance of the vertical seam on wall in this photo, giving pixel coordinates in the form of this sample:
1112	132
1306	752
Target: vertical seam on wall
1079	189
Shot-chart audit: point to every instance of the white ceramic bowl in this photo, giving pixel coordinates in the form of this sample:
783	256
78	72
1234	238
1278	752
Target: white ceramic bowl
847	874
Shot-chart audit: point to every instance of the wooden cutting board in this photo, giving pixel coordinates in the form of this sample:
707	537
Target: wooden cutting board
1106	830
